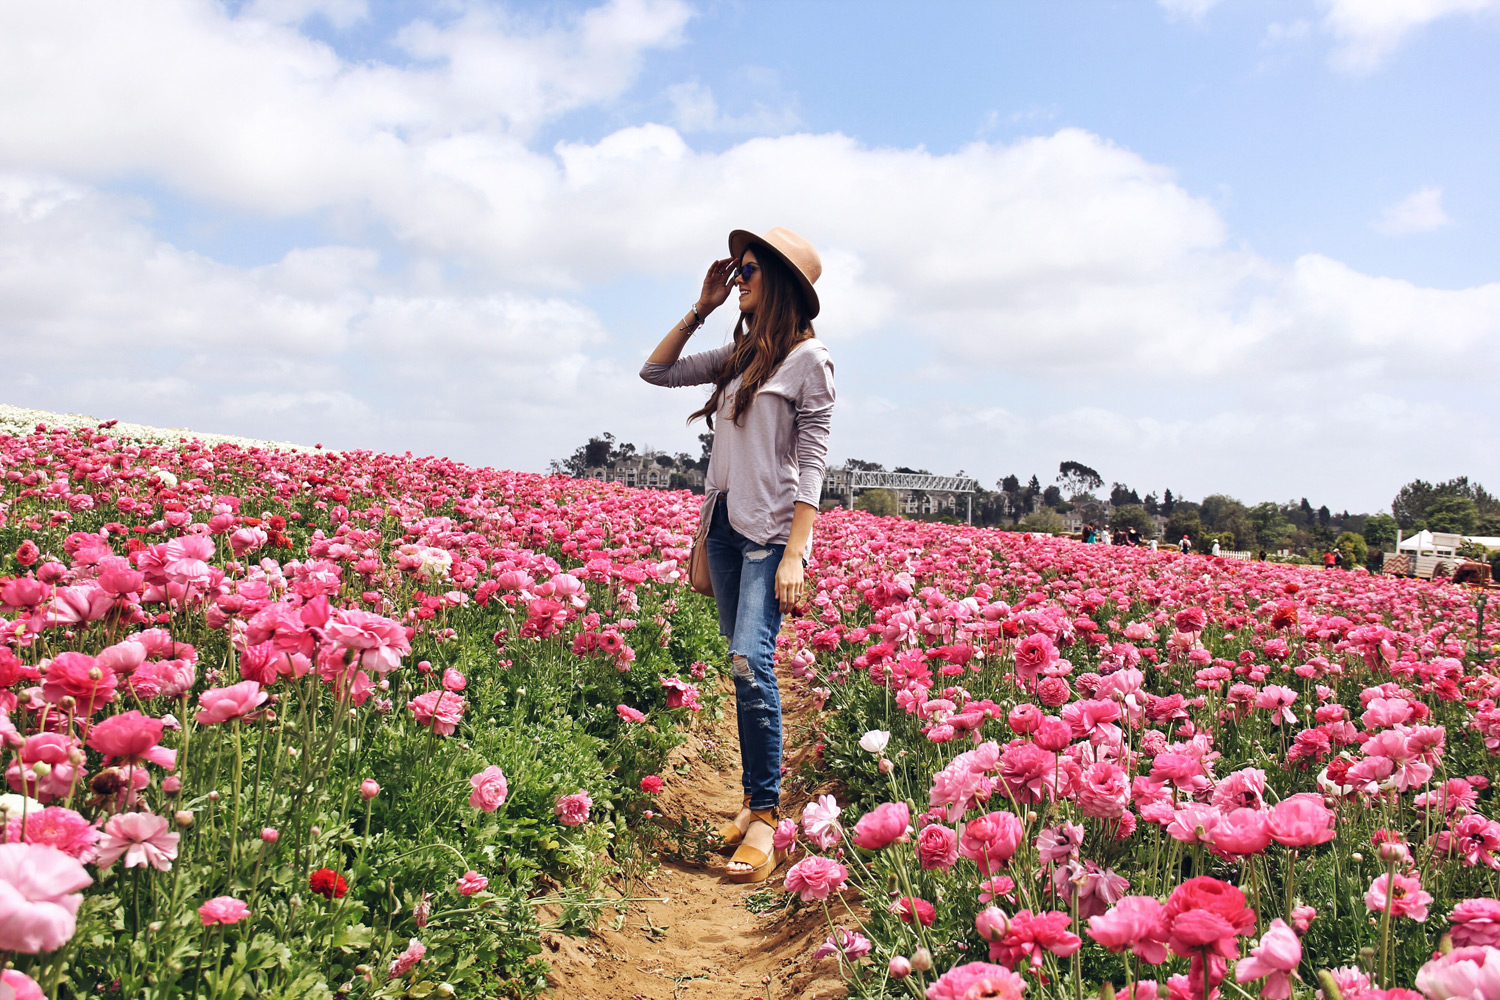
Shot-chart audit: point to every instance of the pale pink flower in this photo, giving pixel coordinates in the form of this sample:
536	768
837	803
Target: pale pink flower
378	643
1277	700
851	944
223	910
408	959
1301	820
1402	893
820	821
974	980
816	877
1463	974
40	892
233	702
1476	922
573	810
1275	959
142	837
441	710
490	789
22	985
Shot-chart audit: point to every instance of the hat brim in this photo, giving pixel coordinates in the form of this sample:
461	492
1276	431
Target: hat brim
740	239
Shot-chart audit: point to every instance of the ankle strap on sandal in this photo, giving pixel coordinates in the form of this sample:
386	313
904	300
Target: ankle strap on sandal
766	816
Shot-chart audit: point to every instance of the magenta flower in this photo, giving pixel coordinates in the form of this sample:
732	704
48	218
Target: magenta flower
628	714
886	824
472	882
1476	922
41	889
1135	922
61	828
990	840
223	910
80	677
1301	820
937	846
977	979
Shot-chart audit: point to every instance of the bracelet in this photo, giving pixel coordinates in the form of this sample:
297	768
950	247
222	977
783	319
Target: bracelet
697	320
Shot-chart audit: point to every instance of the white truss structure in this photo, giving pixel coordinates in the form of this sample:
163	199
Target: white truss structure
904	481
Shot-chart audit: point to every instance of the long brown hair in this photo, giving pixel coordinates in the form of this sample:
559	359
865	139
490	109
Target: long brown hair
779	323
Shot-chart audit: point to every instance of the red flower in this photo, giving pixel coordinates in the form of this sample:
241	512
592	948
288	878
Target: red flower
651	784
328	883
907	905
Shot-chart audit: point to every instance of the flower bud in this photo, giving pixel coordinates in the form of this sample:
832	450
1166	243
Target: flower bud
1356	856
1393	853
368	789
184	817
172	784
41	769
921	960
213	796
885	766
269	834
900	967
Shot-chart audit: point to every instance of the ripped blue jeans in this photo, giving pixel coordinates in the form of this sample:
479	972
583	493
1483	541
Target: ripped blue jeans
744	575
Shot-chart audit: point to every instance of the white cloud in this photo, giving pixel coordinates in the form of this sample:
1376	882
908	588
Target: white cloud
339	13
1192	9
1368	31
1419	212
694	109
1059	261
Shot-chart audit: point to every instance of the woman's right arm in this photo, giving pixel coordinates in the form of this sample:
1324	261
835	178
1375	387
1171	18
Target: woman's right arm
665	366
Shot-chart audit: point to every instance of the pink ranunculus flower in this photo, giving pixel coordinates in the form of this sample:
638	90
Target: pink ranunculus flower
223	910
1301	820
785	837
80	677
990	840
1105	791
1402	893
378	643
573	810
490	789
472	882
937	846
820	821
132	737
886	824
974	980
441	710
1471	973
60	827
408	959
1135	922
816	877
628	714
233	702
1275	960
1476	922
142	837
1242	832
41	889
21	985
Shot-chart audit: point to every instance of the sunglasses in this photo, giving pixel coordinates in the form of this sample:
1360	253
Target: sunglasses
744	272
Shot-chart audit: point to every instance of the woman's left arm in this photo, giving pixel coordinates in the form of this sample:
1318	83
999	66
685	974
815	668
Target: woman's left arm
814	416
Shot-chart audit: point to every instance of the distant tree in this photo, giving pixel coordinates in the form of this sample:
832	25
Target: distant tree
1271	528
1132	515
1120	495
1052	497
911	472
1077	479
1415	500
1306	517
1152	505
1354	547
1045	521
1010	484
1184	521
1030	495
860	465
1218	511
883	502
1168	502
665	461
1452	513
1380	532
1324	517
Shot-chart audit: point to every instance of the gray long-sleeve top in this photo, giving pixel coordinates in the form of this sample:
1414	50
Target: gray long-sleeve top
776	456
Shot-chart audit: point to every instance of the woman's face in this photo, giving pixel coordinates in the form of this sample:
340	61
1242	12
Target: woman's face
750	288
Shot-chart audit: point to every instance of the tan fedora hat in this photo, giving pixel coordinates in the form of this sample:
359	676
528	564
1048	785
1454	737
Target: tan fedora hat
791	248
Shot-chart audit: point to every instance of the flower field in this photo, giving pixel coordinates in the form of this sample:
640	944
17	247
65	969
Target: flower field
286	724
303	724
1076	770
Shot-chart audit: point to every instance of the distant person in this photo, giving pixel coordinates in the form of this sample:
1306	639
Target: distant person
1106	537
1185	545
1338	558
1262	555
1215	550
1134	536
1153	545
771	407
1328	559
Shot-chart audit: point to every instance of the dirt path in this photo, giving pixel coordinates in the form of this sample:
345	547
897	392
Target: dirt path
703	942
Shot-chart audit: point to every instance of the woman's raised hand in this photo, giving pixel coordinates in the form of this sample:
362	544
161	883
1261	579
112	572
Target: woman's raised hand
716	285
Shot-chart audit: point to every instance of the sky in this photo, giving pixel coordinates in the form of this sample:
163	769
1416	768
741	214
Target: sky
1205	245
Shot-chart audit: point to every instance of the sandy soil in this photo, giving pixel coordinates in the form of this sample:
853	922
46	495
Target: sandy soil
702	942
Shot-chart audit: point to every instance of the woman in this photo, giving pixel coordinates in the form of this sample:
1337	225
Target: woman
770	410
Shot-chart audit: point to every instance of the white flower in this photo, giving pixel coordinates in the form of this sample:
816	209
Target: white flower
874	741
164	477
12	806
